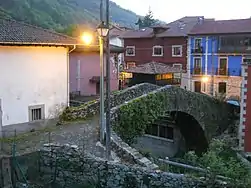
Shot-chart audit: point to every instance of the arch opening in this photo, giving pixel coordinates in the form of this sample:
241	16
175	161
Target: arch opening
192	132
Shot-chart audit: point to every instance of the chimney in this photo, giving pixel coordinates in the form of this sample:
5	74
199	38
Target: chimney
181	24
159	29
200	20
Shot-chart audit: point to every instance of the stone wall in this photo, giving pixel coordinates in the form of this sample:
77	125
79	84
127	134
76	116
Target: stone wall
91	108
74	168
129	154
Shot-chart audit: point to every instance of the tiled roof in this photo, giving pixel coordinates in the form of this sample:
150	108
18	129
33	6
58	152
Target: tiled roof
13	32
180	27
153	68
223	27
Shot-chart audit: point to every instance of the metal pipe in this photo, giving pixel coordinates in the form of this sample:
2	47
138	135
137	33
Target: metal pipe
108	83
102	108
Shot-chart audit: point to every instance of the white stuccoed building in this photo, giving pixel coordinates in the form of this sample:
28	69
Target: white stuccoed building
33	74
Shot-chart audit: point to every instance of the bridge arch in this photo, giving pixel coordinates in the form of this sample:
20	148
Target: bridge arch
131	118
191	130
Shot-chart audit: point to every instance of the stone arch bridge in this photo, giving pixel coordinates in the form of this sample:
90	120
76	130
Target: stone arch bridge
213	116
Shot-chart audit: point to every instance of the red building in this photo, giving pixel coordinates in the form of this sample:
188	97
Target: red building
245	117
163	44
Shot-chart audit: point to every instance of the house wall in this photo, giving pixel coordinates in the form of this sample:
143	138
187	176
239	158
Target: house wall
144	50
87	65
32	76
245	117
210	57
160	146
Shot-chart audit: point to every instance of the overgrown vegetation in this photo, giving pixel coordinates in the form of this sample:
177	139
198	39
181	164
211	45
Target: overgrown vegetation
135	116
59	14
220	159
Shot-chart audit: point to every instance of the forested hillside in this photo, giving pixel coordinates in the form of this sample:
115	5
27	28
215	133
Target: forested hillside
59	14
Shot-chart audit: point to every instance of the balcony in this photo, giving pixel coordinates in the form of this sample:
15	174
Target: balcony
234	49
228	72
197	50
197	71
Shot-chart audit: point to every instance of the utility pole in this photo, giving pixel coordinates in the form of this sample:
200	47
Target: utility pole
212	68
102	106
108	80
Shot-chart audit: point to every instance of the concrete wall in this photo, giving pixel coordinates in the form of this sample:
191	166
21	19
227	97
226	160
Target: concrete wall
83	66
32	76
160	146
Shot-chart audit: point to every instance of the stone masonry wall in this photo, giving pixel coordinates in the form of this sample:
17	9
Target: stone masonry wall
74	169
213	116
92	108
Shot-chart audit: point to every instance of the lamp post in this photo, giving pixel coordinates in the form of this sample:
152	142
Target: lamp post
102	32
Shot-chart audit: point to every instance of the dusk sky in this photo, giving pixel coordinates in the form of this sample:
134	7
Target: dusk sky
168	10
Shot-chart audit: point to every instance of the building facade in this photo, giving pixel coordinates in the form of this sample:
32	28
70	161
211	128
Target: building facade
215	55
162	44
33	75
85	70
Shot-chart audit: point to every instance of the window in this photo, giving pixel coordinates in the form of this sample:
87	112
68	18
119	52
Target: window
222	88
157	51
204	87
222	66
160	131
197	43
197	65
164	76
130	51
36	112
130	65
177	50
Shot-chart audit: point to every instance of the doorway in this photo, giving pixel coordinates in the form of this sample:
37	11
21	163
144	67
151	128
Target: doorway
97	88
197	86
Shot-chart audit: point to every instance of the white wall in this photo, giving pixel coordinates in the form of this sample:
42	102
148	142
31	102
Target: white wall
31	76
118	42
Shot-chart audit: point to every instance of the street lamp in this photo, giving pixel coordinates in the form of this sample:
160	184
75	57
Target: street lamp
205	79
87	38
102	32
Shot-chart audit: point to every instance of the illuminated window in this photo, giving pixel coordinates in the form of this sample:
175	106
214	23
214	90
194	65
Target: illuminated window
166	76
158	77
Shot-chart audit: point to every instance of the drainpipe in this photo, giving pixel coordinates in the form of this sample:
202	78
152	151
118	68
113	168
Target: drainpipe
68	78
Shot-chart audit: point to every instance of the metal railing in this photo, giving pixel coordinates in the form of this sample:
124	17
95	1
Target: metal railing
197	50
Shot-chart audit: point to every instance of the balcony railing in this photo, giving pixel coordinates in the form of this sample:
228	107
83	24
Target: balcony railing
228	71
197	71
197	50
234	49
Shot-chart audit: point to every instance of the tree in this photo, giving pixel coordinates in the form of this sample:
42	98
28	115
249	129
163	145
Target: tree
139	23
147	21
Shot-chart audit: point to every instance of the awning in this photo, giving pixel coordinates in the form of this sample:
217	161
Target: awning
96	79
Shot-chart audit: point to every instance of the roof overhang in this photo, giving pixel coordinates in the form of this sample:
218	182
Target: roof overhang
34	44
95	48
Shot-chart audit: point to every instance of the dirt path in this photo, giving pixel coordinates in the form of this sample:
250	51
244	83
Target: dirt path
84	134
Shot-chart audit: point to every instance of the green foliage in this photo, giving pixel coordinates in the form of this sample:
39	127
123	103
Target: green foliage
147	21
222	160
59	14
134	117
